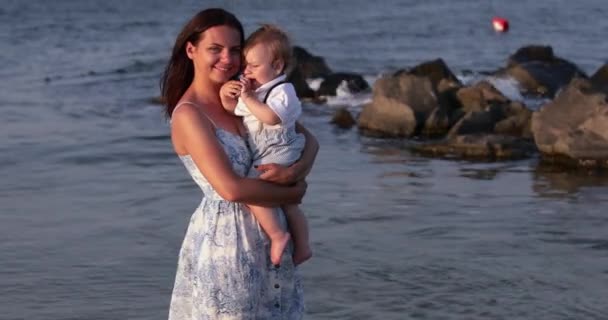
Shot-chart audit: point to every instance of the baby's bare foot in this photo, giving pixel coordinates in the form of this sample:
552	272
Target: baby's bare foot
277	246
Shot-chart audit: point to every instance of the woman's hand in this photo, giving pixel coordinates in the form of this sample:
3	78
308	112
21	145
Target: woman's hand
301	187
277	173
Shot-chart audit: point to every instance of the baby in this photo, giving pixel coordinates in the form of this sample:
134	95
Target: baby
269	107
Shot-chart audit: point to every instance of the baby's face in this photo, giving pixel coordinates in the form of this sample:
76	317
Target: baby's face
259	66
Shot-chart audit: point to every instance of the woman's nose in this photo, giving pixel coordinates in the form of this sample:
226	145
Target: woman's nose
226	56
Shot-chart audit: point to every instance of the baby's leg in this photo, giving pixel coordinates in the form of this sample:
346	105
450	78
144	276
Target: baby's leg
299	230
270	224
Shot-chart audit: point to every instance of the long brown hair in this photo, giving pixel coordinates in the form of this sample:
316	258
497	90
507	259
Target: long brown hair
179	72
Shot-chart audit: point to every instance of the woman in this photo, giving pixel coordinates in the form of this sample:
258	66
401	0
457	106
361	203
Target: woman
224	270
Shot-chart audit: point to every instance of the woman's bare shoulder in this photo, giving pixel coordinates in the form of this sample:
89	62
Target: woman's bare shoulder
185	113
187	121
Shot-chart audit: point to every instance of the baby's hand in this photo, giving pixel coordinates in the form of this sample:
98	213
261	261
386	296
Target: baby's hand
231	89
246	89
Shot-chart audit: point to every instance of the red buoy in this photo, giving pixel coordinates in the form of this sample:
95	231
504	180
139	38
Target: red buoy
500	24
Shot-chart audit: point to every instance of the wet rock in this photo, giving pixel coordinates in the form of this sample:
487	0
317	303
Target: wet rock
539	72
517	121
436	70
440	120
482	121
483	147
479	96
434	110
306	66
600	78
299	82
573	128
531	53
343	119
400	106
310	66
502	118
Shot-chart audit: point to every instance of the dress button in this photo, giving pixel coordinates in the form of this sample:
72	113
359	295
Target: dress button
276	286
276	305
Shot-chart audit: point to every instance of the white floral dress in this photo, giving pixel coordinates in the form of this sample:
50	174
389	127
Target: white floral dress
224	269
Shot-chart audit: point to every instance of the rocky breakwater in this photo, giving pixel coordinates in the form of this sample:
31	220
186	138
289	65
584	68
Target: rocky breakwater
429	103
449	119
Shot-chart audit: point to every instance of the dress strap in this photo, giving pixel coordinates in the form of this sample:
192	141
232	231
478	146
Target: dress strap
196	105
270	89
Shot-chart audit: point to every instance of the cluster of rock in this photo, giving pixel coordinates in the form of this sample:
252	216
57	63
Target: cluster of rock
478	121
308	66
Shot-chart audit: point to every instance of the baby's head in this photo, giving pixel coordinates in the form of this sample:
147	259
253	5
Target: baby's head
267	54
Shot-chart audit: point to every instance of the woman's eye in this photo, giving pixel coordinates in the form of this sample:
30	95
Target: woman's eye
215	49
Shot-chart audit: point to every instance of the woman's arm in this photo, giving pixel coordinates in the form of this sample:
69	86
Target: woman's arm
300	169
200	141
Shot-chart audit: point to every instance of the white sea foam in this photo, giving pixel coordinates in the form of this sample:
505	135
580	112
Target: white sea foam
468	79
508	86
314	83
347	99
344	97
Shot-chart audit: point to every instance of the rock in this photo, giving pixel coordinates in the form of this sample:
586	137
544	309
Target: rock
471	99
517	121
479	96
393	119
511	118
299	82
343	119
448	85
306	66
574	126
531	53
539	72
310	66
353	82
477	122
441	119
600	78
436	70
486	147
400	105
437	121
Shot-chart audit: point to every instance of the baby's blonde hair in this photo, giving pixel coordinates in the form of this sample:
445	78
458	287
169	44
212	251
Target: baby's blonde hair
276	40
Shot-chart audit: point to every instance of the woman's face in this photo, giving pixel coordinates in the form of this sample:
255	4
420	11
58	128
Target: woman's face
217	54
